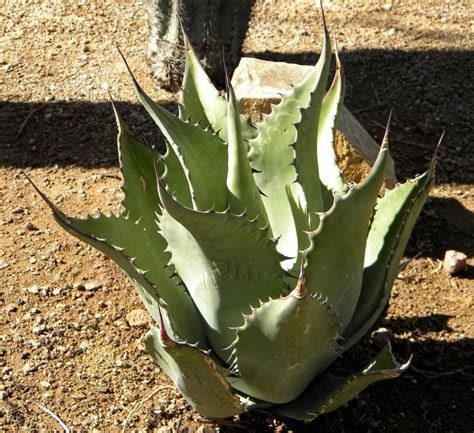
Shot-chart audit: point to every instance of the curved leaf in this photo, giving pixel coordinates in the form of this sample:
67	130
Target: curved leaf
196	375
134	236
242	191
306	145
329	173
329	392
202	155
335	260
395	216
227	262
202	102
272	157
283	345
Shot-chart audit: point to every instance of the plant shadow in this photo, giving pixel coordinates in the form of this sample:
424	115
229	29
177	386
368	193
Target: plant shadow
433	395
428	91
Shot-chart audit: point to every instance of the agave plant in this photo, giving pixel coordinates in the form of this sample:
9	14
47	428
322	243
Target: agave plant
258	264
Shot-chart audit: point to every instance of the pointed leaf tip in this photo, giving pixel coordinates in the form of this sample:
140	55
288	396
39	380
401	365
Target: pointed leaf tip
384	144
323	15
50	204
434	159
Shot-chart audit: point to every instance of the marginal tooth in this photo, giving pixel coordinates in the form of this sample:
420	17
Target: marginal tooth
300	291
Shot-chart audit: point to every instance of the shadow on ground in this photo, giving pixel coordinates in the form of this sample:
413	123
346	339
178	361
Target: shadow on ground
429	91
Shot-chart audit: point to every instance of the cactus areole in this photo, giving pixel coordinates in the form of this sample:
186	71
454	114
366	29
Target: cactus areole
258	263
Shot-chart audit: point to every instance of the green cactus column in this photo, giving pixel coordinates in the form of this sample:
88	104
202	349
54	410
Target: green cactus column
210	25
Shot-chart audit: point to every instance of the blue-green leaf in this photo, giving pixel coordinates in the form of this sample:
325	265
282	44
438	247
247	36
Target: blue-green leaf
196	375
329	392
227	262
283	345
335	260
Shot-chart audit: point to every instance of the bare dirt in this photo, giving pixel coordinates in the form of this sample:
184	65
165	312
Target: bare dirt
65	341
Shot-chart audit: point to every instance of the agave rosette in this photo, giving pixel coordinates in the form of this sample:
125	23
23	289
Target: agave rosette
258	263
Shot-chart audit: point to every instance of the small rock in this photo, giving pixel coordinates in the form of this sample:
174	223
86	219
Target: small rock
137	318
33	289
454	262
3	395
40	329
3	351
45	385
29	367
8	68
103	388
92	285
30	226
391	32
11	308
3	264
382	336
387	7
18	210
84	345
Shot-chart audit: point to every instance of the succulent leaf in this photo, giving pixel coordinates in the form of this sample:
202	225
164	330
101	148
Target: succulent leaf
329	173
202	102
306	145
202	155
330	392
335	269
227	262
196	375
273	157
243	194
175	178
394	219
283	344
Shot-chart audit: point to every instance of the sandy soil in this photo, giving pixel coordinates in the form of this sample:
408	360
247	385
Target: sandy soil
65	340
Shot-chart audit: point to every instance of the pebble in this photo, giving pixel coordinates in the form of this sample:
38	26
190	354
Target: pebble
3	395
30	226
45	385
11	308
84	345
454	262
92	285
391	32
103	388
3	264
29	367
137	318
40	329
33	289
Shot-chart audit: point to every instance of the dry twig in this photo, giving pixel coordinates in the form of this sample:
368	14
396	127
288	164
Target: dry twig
22	127
54	416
